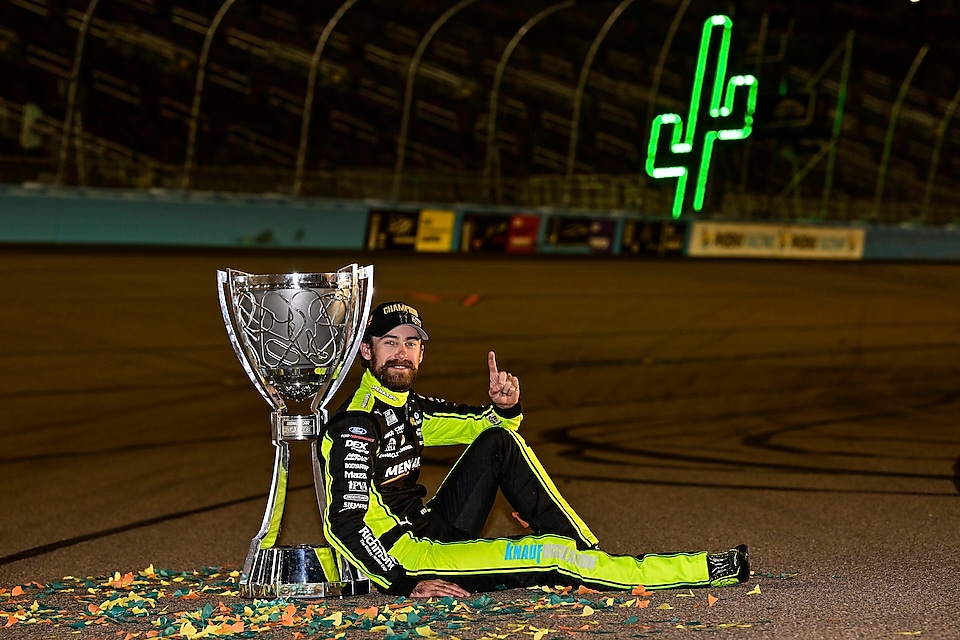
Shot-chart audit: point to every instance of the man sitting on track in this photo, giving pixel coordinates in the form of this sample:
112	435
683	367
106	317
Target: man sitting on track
376	518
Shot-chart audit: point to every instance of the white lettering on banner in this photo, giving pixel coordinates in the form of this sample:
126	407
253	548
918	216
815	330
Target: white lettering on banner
355	465
761	241
355	456
758	240
356	497
355	475
353	506
356	485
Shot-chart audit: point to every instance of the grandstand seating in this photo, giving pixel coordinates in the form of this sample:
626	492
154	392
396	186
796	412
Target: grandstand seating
139	68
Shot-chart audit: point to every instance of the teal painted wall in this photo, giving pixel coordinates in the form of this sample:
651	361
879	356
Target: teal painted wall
213	220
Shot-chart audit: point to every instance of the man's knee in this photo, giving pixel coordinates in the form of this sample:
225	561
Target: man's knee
496	440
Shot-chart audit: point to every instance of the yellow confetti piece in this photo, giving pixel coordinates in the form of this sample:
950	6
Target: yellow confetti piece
665	606
337	618
756	591
426	632
540	633
628	603
587	610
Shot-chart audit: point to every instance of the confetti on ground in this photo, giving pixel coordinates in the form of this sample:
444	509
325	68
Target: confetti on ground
756	591
159	603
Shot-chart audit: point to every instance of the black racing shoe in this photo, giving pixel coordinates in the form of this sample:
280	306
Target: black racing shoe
729	568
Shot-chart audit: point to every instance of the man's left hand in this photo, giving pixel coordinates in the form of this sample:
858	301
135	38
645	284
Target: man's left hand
504	387
438	588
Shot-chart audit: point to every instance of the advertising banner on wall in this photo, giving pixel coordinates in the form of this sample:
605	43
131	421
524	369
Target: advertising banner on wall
653	237
392	229
435	230
515	233
596	235
734	240
524	230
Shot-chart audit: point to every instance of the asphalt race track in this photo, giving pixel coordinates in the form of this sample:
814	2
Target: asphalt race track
810	410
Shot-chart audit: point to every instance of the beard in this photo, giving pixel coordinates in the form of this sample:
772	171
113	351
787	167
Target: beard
398	380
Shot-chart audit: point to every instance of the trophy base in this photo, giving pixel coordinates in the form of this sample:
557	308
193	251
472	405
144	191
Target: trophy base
302	571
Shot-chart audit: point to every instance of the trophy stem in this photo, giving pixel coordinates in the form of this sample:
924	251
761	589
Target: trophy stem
304	570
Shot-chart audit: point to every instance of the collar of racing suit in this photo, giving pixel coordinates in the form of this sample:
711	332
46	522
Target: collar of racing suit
375	390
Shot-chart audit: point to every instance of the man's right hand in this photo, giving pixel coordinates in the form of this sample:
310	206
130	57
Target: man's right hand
438	588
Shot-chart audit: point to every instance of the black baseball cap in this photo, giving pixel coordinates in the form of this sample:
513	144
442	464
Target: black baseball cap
391	315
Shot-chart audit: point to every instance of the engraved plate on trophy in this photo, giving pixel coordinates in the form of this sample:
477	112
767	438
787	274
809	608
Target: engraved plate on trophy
296	335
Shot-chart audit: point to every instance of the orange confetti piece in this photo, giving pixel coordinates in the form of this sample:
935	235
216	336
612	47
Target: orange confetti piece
93	609
643	604
287	619
369	612
17	591
121	581
640	590
711	599
582	590
11	620
523	523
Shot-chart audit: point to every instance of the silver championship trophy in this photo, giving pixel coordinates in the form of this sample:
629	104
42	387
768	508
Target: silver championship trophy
296	335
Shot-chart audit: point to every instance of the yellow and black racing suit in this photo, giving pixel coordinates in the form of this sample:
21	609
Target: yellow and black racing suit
375	515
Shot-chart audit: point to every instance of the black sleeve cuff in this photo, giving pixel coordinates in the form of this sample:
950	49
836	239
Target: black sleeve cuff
402	586
512	412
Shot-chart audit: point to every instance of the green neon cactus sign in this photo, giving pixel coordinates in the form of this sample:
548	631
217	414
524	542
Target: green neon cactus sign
726	124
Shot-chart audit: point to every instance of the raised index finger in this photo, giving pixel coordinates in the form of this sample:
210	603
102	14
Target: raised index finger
492	363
